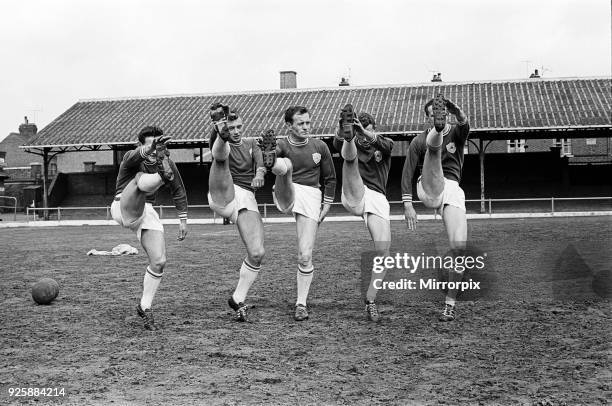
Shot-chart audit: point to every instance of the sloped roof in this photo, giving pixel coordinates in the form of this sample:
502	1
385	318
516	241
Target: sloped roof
491	105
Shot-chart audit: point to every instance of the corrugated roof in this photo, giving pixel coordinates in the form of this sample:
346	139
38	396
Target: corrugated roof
491	105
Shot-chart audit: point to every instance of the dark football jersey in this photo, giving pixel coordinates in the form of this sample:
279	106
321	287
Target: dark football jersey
374	161
135	161
244	159
311	161
454	139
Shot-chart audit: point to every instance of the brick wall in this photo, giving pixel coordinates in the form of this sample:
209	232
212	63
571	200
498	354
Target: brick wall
71	162
15	156
98	188
593	149
19	173
597	150
91	183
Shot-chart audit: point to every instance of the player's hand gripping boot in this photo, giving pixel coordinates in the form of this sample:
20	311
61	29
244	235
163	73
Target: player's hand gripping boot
163	164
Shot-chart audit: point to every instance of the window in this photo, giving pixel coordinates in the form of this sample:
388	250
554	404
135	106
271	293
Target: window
591	141
53	167
565	145
516	145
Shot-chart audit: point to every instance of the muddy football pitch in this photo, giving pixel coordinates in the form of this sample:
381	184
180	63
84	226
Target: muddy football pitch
540	335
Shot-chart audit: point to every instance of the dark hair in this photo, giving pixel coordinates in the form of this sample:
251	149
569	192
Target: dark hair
216	115
292	111
429	103
233	115
149	131
215	106
366	119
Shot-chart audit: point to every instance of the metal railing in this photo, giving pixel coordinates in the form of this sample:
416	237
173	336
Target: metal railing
14	206
268	210
552	200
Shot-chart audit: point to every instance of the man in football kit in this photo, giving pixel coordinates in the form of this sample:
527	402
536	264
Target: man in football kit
236	171
142	172
440	149
367	160
299	162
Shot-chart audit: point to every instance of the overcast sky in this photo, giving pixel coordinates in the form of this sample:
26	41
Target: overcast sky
55	52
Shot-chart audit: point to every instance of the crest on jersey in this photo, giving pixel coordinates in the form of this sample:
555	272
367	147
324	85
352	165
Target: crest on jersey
316	157
378	155
450	147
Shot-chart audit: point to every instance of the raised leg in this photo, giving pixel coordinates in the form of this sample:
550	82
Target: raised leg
432	179
352	184
220	183
283	186
134	194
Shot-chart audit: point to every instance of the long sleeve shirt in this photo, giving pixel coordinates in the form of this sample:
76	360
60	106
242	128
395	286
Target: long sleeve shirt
137	160
454	139
312	162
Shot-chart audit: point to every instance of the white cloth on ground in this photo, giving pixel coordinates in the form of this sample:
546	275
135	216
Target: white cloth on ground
121	249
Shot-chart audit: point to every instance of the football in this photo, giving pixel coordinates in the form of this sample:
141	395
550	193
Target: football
45	291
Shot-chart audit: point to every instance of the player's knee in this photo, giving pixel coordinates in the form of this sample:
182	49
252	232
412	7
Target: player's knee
220	161
158	264
305	259
148	182
282	167
256	255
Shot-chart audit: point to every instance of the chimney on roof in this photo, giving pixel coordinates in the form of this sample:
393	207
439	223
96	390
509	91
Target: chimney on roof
344	82
437	77
28	129
535	75
288	79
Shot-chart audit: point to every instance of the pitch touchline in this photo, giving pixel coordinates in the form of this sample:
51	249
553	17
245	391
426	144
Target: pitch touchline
220	232
228	231
270	221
